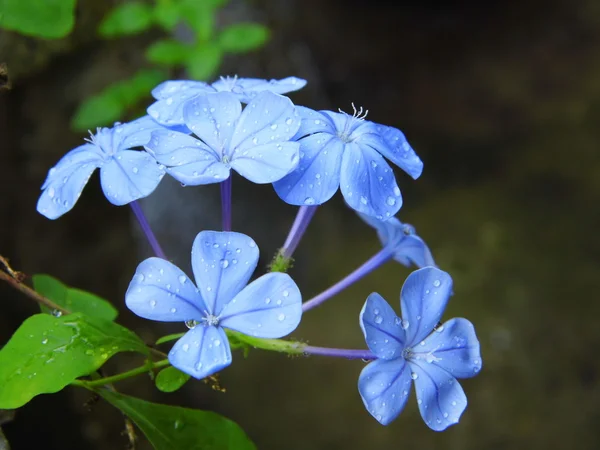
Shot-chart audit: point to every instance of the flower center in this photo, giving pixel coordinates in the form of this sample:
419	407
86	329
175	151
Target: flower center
358	115
210	320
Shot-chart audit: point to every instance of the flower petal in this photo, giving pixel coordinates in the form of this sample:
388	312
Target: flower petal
201	352
382	328
453	347
317	176
268	119
134	134
247	88
368	183
269	307
171	96
423	299
212	117
160	291
440	397
130	175
223	262
392	144
384	386
188	159
314	122
413	250
266	163
167	88
401	238
66	180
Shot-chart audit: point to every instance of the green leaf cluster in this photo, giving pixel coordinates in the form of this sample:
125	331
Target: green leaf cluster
201	56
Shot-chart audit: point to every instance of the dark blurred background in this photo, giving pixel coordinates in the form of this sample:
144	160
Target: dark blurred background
501	99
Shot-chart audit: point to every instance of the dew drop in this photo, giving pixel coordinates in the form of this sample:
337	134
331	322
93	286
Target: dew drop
182	279
281	317
363	200
224	263
378	319
405	324
414	375
309	201
391	201
437	283
191	324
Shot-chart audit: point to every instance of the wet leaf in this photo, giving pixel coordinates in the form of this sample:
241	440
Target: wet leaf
46	353
75	300
170	379
173	427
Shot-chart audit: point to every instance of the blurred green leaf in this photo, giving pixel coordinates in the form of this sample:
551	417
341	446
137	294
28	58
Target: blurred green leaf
170	379
73	299
49	19
47	353
167	14
168	52
111	104
128	18
243	37
200	16
204	62
173	427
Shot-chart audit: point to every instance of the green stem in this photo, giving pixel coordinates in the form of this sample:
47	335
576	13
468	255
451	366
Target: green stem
273	345
121	376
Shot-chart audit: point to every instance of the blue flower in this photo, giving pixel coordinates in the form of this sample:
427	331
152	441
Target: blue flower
254	142
126	175
342	150
172	95
412	349
222	262
402	240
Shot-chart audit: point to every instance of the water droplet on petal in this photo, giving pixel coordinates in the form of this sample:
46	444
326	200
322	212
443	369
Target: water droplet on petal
414	375
281	317
437	283
378	319
182	279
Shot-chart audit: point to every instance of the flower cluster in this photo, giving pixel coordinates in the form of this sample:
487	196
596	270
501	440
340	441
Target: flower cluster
197	133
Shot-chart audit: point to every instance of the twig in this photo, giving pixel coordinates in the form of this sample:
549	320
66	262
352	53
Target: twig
15	279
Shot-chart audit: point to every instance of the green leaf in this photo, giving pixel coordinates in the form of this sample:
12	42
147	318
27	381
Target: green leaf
168	338
112	103
243	37
167	14
128	18
204	62
46	353
49	19
168	52
200	16
170	379
75	300
173	427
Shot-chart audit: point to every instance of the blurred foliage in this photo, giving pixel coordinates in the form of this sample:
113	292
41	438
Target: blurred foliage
49	19
200	55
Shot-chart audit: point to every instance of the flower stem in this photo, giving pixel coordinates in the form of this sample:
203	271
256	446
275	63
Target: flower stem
121	376
303	218
139	215
238	339
339	352
226	203
373	263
